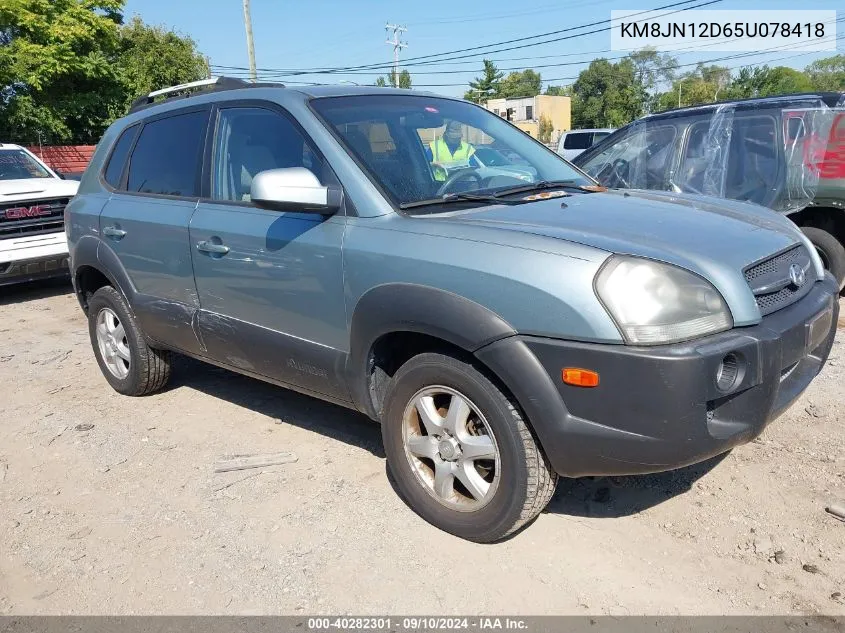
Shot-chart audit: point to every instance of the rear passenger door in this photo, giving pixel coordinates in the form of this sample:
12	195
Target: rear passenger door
270	282
144	225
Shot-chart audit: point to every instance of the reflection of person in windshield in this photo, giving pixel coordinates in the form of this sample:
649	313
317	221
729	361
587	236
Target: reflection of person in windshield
450	150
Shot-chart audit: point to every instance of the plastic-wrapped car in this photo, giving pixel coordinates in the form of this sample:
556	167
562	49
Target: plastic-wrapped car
786	153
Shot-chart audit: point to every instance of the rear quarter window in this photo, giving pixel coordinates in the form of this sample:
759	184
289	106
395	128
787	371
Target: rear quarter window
119	154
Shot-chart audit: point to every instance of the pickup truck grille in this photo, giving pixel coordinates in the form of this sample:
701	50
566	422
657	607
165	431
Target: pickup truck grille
772	281
33	217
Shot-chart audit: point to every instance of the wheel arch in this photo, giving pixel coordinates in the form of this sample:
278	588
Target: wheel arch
94	267
392	322
826	218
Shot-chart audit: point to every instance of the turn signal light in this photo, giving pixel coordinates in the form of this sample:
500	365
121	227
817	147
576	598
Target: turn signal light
580	377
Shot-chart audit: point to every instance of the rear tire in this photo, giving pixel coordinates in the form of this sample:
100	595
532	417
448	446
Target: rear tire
130	366
830	250
490	447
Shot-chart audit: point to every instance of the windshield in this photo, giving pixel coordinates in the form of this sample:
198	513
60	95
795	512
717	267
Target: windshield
16	164
491	158
420	148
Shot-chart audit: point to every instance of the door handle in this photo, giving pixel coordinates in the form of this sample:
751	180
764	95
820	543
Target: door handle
211	247
113	231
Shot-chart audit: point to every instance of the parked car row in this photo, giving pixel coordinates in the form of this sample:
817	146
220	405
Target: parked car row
506	321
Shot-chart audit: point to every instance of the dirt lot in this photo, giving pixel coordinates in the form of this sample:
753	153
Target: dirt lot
128	517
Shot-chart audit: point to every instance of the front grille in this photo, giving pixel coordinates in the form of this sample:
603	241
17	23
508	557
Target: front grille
33	217
771	282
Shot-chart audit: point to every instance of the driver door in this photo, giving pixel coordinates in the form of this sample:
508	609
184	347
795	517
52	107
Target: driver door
270	282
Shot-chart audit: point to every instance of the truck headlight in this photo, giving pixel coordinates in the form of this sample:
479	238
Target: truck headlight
655	303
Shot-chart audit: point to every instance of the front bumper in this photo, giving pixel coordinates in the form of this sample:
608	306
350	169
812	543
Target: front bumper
659	408
33	257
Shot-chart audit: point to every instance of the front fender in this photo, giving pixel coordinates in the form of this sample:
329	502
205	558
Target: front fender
403	307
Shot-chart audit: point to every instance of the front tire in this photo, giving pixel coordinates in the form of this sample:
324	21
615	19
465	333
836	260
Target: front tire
461	454
830	250
131	367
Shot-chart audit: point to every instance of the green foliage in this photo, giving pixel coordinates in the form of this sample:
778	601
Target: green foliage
56	67
68	68
526	83
487	86
558	91
828	73
152	57
764	81
390	80
705	84
545	129
607	95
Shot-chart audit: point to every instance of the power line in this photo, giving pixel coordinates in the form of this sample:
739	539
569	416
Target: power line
706	61
702	62
268	72
412	61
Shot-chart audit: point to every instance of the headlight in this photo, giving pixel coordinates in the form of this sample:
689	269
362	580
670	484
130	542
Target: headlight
654	303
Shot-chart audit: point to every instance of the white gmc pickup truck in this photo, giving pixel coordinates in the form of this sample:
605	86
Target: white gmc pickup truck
32	204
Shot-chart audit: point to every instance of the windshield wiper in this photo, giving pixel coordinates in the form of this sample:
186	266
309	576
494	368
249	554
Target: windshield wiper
540	185
451	198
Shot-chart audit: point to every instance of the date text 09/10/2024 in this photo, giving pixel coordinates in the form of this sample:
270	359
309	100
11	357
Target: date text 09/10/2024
416	624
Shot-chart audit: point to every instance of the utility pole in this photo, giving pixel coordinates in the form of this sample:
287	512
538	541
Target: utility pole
249	45
398	45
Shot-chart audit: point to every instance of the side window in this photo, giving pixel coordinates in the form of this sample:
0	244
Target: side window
168	155
599	136
252	140
577	140
638	159
117	160
753	159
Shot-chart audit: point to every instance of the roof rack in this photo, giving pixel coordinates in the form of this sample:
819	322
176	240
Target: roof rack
213	84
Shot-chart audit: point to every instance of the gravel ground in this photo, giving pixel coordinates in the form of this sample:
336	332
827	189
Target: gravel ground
109	505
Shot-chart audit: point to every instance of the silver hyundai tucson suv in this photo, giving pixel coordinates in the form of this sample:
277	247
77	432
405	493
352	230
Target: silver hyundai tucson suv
503	331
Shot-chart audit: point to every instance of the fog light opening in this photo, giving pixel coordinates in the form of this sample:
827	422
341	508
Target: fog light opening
729	373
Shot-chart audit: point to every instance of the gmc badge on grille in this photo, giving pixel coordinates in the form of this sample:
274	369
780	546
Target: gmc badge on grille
35	211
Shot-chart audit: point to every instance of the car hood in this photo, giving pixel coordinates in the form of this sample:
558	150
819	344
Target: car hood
713	237
35	188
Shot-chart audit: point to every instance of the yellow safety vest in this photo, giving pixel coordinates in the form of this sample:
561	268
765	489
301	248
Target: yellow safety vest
441	156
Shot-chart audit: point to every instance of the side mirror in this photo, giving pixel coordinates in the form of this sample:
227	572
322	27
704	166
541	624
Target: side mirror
294	189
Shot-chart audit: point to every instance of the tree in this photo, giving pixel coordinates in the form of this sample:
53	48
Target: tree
828	73
545	129
486	86
703	85
764	82
607	94
152	57
68	68
558	91
56	70
652	69
526	83
390	80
